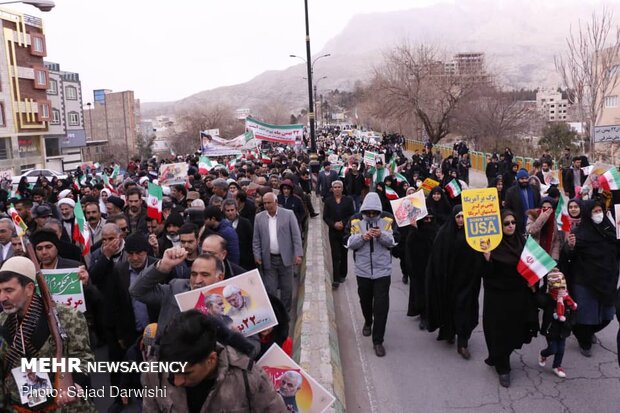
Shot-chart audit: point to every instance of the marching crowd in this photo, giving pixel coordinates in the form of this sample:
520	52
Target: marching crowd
253	212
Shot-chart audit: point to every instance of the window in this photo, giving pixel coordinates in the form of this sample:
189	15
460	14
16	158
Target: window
37	44
53	87
71	93
44	111
2	122
611	101
41	78
5	148
55	117
74	119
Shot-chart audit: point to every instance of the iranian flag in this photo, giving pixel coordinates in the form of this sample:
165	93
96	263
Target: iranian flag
108	185
81	232
561	214
453	189
378	175
232	163
205	165
390	193
400	177
20	225
264	158
610	180
154	202
115	171
535	263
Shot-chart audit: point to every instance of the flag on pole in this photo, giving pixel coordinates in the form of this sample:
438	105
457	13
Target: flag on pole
400	177
535	263
264	158
561	214
20	225
453	189
154	202
108	185
233	162
81	232
390	193
378	174
205	164
610	180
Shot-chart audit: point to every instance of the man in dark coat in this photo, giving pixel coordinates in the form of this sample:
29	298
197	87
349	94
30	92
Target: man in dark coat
244	230
520	198
336	214
326	177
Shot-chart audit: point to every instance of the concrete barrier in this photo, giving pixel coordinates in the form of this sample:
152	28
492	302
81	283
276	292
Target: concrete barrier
315	337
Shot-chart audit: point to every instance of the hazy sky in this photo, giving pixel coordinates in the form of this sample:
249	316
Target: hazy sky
167	50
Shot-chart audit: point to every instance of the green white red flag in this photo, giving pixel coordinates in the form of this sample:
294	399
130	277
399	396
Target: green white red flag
535	263
610	180
390	193
154	202
453	189
205	165
561	214
20	225
81	232
108	185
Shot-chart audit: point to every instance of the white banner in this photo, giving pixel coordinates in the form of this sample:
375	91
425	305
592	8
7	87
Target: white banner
287	134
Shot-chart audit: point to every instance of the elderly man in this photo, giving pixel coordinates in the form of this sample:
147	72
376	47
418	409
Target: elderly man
277	248
114	205
66	207
29	333
6	232
206	269
238	302
290	383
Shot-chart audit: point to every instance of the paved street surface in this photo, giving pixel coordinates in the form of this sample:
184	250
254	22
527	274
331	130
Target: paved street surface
420	374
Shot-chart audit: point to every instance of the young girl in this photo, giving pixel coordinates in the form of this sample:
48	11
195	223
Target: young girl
556	326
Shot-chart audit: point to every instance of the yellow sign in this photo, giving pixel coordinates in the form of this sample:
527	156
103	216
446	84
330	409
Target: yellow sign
483	222
429	184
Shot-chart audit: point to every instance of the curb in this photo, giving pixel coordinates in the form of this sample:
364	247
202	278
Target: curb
315	337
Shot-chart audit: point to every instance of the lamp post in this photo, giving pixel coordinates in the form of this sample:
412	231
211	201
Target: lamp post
316	84
43	5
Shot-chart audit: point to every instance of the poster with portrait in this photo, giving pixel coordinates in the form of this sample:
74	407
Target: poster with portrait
409	209
300	392
241	302
482	219
172	174
34	388
66	288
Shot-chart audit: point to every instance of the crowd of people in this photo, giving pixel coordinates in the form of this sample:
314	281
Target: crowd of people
253	212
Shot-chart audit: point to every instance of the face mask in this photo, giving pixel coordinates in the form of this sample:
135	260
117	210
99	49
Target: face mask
598	217
173	238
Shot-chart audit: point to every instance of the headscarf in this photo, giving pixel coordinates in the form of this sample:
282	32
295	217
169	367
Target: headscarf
574	222
441	208
510	249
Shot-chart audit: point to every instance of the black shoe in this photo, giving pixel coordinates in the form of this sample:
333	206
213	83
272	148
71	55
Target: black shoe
464	352
504	380
488	362
594	339
366	331
379	350
422	324
586	352
451	340
314	215
335	285
405	279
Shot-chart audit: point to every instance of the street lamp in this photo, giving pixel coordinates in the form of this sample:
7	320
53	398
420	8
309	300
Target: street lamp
316	84
43	5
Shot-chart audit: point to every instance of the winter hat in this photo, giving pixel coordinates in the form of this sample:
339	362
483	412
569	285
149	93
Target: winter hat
42	211
66	201
522	174
44	235
116	201
19	265
136	243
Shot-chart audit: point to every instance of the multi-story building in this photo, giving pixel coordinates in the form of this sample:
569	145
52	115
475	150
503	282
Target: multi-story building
67	137
112	124
551	105
25	109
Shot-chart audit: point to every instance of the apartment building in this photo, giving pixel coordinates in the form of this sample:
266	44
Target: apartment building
552	106
112	123
25	109
67	136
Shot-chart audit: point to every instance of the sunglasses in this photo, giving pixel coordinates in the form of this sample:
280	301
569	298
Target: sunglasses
506	223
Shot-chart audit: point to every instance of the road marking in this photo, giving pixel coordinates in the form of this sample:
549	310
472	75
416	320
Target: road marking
363	362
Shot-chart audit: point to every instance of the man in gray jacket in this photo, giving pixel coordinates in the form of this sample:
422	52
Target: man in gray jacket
371	234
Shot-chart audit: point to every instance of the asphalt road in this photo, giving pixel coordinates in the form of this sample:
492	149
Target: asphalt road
420	374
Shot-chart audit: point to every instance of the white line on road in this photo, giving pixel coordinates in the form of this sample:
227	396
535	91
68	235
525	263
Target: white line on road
363	361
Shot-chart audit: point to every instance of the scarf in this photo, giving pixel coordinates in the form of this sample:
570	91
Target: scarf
21	345
510	249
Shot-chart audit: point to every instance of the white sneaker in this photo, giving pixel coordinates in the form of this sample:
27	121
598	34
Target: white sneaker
559	371
542	361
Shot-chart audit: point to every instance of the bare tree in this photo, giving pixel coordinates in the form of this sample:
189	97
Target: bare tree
494	118
416	81
191	121
589	68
